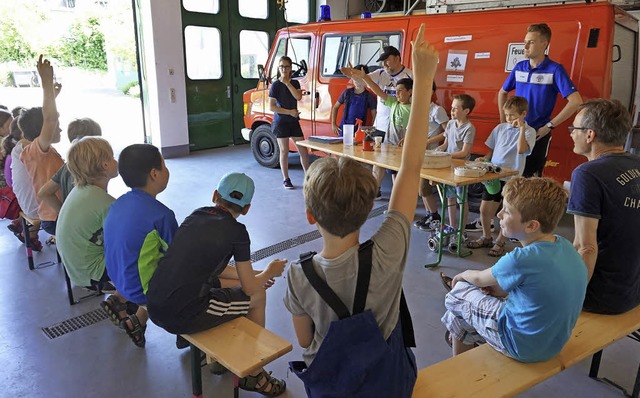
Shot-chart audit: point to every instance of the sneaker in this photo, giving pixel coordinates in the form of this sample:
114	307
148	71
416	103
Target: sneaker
287	184
108	287
379	195
421	221
476	226
431	222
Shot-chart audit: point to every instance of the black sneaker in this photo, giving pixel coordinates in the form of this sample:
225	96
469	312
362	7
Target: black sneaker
287	184
421	222
431	222
476	226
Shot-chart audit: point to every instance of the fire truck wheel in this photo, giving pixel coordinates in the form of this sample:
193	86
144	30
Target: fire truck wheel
265	147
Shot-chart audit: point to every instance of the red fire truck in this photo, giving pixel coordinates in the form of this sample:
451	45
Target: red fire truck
597	43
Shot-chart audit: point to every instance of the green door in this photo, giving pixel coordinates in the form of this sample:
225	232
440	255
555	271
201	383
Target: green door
224	41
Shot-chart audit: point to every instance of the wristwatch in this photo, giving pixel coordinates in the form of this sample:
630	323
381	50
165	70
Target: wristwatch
550	126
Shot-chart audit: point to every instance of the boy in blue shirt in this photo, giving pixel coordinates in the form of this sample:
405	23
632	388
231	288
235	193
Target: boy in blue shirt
137	232
357	100
509	145
527	304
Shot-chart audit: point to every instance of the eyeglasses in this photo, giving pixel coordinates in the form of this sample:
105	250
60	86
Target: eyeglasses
571	128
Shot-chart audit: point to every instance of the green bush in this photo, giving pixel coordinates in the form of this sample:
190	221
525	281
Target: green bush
132	88
83	46
13	46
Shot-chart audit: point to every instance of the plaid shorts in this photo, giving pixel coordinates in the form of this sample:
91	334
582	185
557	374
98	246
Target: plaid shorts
472	316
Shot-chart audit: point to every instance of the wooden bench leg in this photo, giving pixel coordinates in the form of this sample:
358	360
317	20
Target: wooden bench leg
196	371
27	243
636	385
595	365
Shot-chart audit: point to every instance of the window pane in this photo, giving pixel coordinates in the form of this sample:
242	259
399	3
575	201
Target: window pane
258	9
296	48
297	11
254	49
204	6
339	51
202	48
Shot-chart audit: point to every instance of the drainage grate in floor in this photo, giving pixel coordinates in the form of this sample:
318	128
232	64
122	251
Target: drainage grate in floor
299	240
73	324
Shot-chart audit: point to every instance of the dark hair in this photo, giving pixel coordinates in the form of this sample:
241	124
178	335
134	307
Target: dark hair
520	104
608	118
4	116
4	107
542	29
285	58
231	206
9	142
18	110
30	122
136	162
363	67
406	82
466	101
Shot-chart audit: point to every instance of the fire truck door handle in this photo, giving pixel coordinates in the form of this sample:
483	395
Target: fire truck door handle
617	47
317	99
228	91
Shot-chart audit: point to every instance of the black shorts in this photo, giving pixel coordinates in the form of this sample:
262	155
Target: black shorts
487	197
287	129
538	158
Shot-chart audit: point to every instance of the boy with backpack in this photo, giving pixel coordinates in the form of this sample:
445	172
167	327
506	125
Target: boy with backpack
339	194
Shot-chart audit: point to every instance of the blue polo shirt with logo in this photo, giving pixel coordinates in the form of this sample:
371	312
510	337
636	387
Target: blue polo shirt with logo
540	86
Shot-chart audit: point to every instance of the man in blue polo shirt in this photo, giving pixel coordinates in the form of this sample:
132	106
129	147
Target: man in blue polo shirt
539	80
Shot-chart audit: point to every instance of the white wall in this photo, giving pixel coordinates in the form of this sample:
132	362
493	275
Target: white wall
162	35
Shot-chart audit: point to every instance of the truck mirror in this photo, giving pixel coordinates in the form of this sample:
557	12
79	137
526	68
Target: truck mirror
261	76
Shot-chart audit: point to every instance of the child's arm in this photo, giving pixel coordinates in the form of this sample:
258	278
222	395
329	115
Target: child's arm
251	281
444	145
359	74
304	327
478	278
462	154
295	91
486	157
438	137
49	110
425	62
334	117
586	241
522	145
48	194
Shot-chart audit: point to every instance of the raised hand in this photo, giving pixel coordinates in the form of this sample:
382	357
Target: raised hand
45	70
519	122
353	72
57	87
424	56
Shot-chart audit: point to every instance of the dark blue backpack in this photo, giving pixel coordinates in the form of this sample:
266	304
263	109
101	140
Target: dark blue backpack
354	360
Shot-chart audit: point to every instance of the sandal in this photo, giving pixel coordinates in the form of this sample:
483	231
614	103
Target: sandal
480	242
446	281
274	386
135	331
112	306
499	251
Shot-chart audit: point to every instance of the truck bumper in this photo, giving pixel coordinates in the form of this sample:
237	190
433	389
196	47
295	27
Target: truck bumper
246	134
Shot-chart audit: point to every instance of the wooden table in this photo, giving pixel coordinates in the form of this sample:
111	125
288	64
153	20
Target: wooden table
389	156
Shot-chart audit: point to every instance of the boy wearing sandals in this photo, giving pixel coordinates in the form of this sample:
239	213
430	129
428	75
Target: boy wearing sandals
526	305
339	194
509	145
137	232
79	229
194	288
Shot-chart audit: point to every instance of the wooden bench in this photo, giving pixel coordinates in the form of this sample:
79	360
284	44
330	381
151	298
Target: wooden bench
240	345
483	372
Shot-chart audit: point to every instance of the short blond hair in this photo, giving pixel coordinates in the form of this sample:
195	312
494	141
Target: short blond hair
339	193
83	127
537	198
86	159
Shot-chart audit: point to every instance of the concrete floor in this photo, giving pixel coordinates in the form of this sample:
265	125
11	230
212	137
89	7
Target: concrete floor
100	361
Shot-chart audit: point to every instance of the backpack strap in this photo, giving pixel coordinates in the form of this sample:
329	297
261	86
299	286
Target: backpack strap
364	276
407	324
320	286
